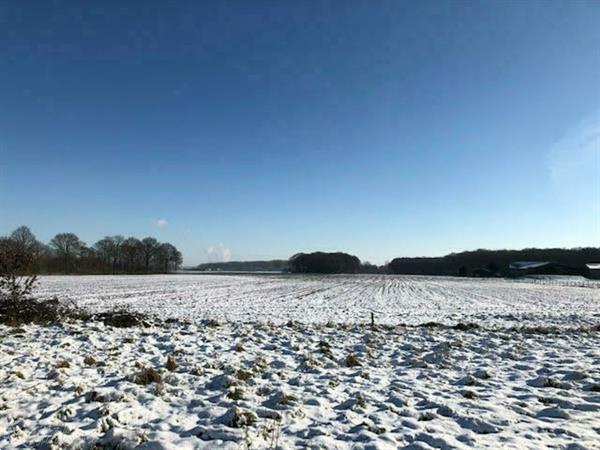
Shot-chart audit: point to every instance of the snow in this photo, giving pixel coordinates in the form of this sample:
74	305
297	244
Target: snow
323	381
340	299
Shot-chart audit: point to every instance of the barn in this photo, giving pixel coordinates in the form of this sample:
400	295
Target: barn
521	268
593	270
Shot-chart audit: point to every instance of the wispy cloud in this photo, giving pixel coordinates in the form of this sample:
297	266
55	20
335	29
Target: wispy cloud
225	253
220	253
574	162
162	223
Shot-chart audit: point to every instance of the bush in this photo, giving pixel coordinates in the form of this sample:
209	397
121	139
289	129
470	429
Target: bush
16	277
32	311
16	285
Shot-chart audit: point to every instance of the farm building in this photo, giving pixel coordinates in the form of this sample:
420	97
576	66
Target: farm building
593	270
521	268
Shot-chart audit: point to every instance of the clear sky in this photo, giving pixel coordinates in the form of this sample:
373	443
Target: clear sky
253	130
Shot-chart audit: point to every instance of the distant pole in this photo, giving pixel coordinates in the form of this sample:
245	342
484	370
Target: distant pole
372	320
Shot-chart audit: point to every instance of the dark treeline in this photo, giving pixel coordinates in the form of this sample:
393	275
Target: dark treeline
66	253
318	262
321	262
471	263
275	265
493	262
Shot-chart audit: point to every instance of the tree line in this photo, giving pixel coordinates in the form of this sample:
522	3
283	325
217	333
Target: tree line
274	265
321	262
67	254
478	263
484	262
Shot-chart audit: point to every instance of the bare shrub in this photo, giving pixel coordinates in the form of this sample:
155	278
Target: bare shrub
16	265
17	281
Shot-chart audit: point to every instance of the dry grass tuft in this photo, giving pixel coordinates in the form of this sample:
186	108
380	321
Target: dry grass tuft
360	401
239	418
235	394
197	371
352	361
159	389
469	394
171	363
89	360
147	375
325	348
121	319
243	375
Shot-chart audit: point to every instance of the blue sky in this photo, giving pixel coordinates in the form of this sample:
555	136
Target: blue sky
251	130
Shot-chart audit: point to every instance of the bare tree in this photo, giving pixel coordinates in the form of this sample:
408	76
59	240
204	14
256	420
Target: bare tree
66	246
168	257
24	237
112	254
131	250
104	250
150	247
118	252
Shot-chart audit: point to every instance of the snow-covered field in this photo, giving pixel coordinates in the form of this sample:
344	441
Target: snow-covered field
325	380
340	299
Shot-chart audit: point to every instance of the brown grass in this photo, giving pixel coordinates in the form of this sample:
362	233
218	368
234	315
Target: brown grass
352	361
147	375
171	364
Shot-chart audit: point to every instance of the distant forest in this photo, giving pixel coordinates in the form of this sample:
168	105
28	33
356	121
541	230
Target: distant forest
275	265
494	262
472	263
318	262
67	254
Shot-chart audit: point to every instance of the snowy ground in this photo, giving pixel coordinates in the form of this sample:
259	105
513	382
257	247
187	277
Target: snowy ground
340	299
314	383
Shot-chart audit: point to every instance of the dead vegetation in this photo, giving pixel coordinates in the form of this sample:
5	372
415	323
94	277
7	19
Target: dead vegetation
325	348
16	271
235	394
146	376
243	375
197	371
352	361
63	364
121	319
31	311
171	364
238	418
